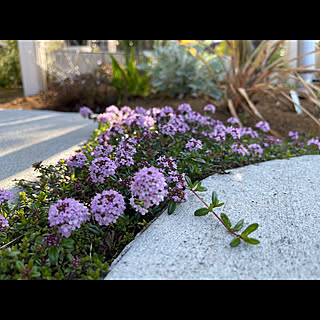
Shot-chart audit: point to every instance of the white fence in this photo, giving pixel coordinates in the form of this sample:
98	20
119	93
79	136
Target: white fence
66	63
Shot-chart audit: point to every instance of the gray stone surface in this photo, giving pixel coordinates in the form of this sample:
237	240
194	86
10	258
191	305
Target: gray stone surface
27	136
281	195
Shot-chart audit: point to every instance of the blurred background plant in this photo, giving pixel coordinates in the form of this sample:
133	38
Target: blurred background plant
10	75
254	67
127	78
176	72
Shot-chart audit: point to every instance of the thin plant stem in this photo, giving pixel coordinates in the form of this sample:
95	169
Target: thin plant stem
235	234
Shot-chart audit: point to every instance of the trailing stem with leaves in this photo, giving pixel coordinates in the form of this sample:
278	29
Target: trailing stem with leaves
224	219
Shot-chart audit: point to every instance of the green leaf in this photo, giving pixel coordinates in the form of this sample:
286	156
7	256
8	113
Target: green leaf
250	240
67	243
201	212
94	229
219	204
238	226
249	230
202	189
172	207
225	220
200	160
235	242
189	182
20	265
53	255
214	197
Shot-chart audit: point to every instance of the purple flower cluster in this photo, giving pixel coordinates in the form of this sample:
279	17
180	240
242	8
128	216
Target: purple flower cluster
176	181
67	215
78	160
125	152
238	147
107	207
5	195
211	108
264	126
3	222
294	135
102	151
314	141
194	144
85	111
52	240
75	263
177	186
102	168
148	188
256	149
175	125
167	164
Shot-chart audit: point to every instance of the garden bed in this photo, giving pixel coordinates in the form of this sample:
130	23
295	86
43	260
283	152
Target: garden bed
84	210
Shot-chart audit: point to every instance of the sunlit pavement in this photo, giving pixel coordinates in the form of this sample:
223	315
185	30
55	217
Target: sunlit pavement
28	136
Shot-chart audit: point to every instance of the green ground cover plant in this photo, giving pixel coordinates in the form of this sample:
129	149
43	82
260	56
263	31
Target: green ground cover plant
79	215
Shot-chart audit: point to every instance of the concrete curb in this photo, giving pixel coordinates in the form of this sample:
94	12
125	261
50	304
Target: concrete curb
281	195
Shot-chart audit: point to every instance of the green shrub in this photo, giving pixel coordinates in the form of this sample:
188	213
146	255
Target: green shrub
10	73
176	72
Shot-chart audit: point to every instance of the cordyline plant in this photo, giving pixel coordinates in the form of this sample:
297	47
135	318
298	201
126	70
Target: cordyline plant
257	71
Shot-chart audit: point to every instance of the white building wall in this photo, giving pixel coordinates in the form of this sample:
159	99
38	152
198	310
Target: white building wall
32	78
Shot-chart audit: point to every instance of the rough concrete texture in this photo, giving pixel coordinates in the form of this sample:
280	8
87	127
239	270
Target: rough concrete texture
27	136
282	196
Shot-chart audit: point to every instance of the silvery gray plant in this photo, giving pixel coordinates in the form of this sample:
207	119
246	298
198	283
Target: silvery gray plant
176	72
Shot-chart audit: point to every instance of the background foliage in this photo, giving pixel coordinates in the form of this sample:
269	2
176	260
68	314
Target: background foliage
10	75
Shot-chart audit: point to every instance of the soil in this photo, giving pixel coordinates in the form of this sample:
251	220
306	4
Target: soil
281	116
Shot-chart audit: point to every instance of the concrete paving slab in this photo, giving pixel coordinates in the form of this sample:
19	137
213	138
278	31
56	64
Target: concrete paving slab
281	195
27	136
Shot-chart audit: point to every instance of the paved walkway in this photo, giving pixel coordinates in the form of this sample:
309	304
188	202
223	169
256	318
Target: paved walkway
281	195
27	136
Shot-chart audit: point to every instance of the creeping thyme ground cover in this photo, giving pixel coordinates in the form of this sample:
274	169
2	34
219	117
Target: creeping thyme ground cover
77	217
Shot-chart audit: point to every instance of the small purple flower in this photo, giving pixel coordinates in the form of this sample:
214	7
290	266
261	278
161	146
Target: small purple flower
107	207
314	141
5	195
106	117
233	120
185	107
125	152
52	240
85	111
234	132
168	164
75	263
256	148
112	109
67	215
102	150
78	160
126	109
141	110
264	126
238	147
148	188
3	222
210	108
294	135
194	144
102	168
